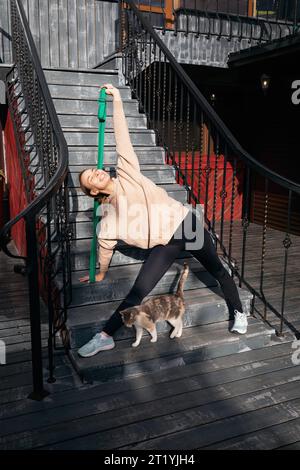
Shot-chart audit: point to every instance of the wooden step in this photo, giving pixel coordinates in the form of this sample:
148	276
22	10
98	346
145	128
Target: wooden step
196	344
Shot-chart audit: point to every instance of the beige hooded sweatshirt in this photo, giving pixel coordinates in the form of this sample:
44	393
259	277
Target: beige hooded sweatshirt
138	211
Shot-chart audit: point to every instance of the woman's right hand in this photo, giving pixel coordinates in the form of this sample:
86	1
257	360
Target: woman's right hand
99	277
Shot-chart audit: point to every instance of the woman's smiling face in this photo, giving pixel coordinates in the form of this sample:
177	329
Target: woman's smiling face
95	180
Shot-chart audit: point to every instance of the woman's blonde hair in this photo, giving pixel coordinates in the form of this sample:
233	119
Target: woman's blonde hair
100	197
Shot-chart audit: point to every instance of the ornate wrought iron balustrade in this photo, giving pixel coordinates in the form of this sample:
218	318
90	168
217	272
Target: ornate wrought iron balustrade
43	223
235	189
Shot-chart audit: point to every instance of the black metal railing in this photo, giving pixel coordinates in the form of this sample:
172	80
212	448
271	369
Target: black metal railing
259	21
237	192
43	159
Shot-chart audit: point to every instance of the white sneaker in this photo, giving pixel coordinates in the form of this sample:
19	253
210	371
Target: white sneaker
240	323
98	343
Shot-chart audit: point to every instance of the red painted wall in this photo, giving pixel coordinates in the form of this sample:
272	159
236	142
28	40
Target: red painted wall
18	202
200	179
17	195
1	179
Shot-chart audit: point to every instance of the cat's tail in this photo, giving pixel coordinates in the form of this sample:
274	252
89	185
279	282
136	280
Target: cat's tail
184	275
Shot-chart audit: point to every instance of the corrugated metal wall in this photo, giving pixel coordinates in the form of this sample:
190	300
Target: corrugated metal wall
67	33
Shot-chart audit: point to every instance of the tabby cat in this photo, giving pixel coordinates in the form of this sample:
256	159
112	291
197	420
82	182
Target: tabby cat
169	307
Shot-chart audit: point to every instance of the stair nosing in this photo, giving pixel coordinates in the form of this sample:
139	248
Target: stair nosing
162	166
93	100
108	130
210	296
82	70
112	148
88	85
176	188
114	359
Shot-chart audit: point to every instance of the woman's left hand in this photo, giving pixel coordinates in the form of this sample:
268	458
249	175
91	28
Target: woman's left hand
99	277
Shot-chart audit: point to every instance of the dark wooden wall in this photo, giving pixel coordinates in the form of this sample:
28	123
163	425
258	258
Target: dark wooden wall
67	33
229	6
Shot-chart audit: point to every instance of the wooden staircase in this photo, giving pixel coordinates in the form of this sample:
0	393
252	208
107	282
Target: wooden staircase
206	332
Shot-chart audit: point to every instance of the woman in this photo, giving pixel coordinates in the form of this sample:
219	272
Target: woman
166	237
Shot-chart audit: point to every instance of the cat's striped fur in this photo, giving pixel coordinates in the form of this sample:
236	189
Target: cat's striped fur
169	307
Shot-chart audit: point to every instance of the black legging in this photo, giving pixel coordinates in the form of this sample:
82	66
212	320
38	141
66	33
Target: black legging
158	262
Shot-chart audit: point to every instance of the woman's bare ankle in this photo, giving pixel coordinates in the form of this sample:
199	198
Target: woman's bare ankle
105	334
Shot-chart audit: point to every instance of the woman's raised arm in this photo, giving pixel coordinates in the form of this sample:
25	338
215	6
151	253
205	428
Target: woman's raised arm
127	156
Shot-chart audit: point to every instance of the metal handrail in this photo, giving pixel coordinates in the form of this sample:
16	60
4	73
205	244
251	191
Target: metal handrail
232	14
37	204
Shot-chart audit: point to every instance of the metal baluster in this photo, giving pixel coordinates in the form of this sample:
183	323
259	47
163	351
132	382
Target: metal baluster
295	17
261	32
215	181
158	93
277	10
175	128
198	24
164	100
286	243
201	124
123	32
149	79
187	20
230	29
207	174
48	269
217	16
180	128
44	148
141	63
126	40
223	193
251	25
134	59
154	121
169	109
209	25
62	238
245	220
68	235
130	50
195	17
232	208
140	60
38	392
145	71
221	22
263	248
164	17
193	169
175	21
187	137
240	22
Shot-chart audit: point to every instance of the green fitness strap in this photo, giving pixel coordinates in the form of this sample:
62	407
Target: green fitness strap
101	131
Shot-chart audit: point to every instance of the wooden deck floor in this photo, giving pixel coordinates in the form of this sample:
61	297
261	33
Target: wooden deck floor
250	400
